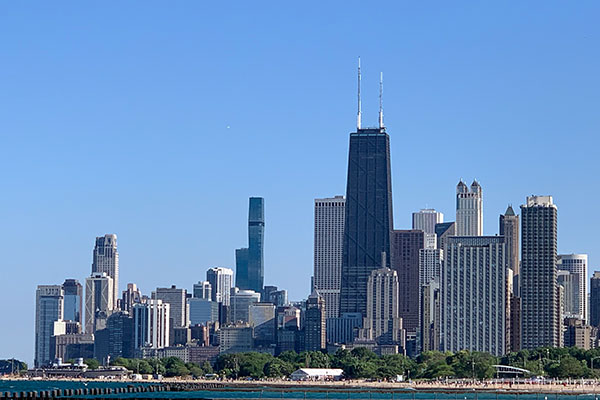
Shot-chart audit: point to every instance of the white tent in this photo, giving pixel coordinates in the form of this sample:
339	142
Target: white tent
316	374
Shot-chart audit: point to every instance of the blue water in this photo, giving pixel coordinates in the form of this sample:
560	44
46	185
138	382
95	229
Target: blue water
290	393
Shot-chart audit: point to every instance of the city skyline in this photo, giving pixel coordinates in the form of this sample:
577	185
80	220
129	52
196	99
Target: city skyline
34	207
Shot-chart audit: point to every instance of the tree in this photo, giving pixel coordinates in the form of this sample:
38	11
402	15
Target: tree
277	368
174	367
91	363
568	367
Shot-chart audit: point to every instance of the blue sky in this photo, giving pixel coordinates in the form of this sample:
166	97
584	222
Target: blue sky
156	121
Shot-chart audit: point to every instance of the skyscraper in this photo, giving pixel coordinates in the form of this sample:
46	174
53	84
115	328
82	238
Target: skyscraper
469	209
328	250
577	264
203	290
595	299
443	231
369	219
151	324
314	323
430	315
240	304
382	321
250	260
98	301
509	228
406	246
426	219
73	300
474	295
221	282
106	259
540	312
130	297
48	309
176	298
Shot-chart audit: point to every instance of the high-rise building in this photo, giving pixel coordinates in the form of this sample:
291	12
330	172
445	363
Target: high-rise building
249	272
117	339
203	311
262	318
315	331
151	324
382	322
509	228
98	301
469	209
237	338
474	295
48	309
443	231
130	297
572	294
577	264
328	250
430	265
540	313
406	246
221	282
426	219
176	298
595	299
369	219
203	290
106	259
73	300
240	304
430	315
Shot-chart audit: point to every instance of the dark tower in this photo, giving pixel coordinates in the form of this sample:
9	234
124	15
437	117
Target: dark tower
250	260
368	212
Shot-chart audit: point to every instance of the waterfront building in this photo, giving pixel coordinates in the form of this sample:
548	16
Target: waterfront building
48	309
369	219
151	324
240	304
203	290
474	295
106	260
426	219
469	209
73	300
315	330
595	299
541	325
406	246
98	301
221	282
250	261
577	264
328	250
177	300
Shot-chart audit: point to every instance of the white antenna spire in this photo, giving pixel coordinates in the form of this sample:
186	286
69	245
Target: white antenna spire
381	100
358	117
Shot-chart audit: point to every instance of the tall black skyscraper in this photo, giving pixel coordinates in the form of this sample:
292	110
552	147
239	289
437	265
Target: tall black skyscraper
250	261
368	211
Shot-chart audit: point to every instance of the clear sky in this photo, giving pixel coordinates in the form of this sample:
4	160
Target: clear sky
157	120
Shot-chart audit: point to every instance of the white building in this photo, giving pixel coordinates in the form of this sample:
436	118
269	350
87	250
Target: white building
177	300
317	374
48	309
221	282
203	290
469	209
329	238
151	324
473	295
577	264
426	219
99	299
106	259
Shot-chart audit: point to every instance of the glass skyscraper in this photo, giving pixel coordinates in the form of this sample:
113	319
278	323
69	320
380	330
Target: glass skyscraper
368	221
250	260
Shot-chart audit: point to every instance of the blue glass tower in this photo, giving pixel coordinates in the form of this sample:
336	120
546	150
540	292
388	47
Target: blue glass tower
250	261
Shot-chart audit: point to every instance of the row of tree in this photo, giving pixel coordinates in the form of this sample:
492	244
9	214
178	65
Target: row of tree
362	363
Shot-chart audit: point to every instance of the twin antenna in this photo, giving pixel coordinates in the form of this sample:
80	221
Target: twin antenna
359	114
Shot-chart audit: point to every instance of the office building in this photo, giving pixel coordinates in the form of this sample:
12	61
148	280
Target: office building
540	313
130	297
203	290
509	228
426	219
369	219
344	329
406	246
577	264
595	299
430	265
430	315
237	338
98	301
117	339
315	331
177	300
474	295
240	304
571	302
278	297
382	322
443	231
151	324
263	320
70	346
577	334
221	282
249	274
203	311
48	309
73	300
106	260
328	251
469	209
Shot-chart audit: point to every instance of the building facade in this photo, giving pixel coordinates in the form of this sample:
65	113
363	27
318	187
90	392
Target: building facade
315	331
221	282
473	291
151	324
240	304
203	290
595	299
382	322
98	301
106	259
469	209
426	219
328	251
48	309
177	300
577	264
73	300
250	261
430	315
540	305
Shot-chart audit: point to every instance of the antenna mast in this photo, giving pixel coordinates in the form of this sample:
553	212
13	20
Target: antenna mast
381	101
358	116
